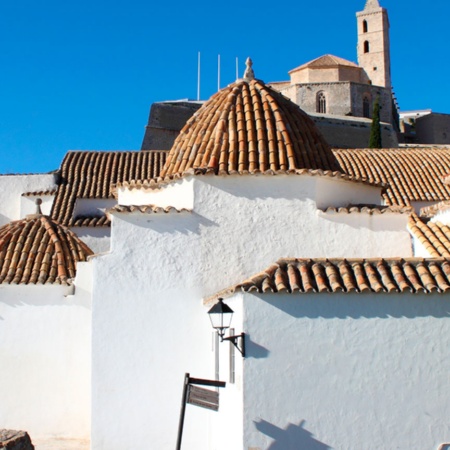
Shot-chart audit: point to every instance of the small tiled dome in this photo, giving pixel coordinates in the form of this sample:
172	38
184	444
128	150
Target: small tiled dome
39	250
249	128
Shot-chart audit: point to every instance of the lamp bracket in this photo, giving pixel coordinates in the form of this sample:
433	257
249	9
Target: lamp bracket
234	341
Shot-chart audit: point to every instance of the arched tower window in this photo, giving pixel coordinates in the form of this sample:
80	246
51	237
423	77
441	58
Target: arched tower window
321	103
366	46
366	106
365	27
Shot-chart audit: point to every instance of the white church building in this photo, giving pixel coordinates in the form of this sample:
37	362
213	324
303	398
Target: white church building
334	261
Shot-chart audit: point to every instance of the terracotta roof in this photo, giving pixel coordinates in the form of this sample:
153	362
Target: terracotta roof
146	209
158	182
324	62
39	250
413	174
369	209
348	275
249	128
90	221
37	193
434	236
430	211
90	175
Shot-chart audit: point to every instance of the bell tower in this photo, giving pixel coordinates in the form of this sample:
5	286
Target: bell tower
373	43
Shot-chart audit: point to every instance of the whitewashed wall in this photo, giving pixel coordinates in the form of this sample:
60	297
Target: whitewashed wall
98	239
346	371
13	186
45	359
28	204
149	324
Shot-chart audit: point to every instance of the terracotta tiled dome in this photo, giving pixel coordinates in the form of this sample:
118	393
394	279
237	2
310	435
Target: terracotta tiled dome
39	250
249	128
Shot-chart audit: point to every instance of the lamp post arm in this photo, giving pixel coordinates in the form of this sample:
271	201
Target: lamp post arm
234	341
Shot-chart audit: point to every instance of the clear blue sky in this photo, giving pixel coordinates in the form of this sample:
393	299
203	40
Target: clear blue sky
82	75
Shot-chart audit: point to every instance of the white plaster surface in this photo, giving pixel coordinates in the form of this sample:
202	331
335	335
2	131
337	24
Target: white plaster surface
61	444
93	206
45	359
178	194
346	371
98	239
13	186
149	325
28	204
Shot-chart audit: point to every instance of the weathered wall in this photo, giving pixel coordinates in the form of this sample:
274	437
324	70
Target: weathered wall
352	132
13	186
165	121
433	129
346	371
45	359
342	98
148	317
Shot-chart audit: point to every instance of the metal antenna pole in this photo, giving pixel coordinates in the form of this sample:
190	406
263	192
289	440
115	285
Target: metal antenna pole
218	72
198	78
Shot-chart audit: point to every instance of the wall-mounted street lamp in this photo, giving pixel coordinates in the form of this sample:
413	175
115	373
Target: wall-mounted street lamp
220	315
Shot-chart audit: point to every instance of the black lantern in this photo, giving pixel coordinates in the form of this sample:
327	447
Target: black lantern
220	315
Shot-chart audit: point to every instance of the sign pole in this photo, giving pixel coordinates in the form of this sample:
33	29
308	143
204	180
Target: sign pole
183	410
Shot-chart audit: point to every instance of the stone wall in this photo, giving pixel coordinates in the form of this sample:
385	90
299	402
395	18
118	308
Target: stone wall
15	440
342	98
164	123
433	129
352	132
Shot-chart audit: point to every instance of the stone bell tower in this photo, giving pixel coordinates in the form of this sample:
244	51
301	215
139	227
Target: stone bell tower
373	43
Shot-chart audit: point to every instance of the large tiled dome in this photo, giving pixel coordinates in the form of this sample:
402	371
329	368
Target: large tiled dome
39	250
249	128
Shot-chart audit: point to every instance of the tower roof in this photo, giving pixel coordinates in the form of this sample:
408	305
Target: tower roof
249	128
326	61
372	4
38	250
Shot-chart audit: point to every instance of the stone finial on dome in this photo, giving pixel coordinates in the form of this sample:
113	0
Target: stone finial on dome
249	74
38	212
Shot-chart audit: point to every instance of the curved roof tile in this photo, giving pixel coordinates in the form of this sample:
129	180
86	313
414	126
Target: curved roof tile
39	250
412	174
91	174
249	128
396	275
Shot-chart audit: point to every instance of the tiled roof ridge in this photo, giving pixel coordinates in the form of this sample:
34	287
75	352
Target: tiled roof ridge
39	250
430	211
248	127
434	236
37	193
348	275
369	209
90	221
146	209
324	61
158	182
